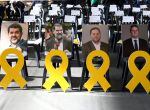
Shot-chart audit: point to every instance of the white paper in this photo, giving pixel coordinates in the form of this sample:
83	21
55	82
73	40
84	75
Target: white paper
35	12
54	5
37	8
94	19
56	8
80	21
52	12
37	41
94	8
69	6
119	13
143	6
127	6
112	8
95	11
128	19
75	12
78	6
101	6
136	9
29	18
38	5
70	19
146	13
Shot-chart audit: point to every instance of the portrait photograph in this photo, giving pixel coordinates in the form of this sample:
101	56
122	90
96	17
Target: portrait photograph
94	37
13	34
134	37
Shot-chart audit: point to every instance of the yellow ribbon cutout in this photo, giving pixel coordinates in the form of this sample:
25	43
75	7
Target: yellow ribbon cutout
56	74
97	75
139	76
12	72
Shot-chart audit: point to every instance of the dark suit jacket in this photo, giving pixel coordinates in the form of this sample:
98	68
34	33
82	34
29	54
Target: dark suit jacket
128	47
89	47
22	44
67	44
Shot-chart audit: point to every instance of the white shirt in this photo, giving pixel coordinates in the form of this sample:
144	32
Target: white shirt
60	47
97	46
133	42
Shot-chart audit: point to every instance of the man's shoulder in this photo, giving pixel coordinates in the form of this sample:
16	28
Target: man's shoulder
67	40
127	39
87	43
143	40
103	43
22	41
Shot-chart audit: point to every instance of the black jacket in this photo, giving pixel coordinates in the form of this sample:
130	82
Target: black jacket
128	47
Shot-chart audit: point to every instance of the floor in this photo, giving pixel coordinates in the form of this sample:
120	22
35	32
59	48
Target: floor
44	100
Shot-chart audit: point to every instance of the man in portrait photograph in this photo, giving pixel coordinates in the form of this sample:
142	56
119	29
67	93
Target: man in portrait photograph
59	41
134	43
95	43
15	37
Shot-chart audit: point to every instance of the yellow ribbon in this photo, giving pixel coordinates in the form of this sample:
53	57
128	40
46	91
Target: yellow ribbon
97	75
56	74
12	72
139	76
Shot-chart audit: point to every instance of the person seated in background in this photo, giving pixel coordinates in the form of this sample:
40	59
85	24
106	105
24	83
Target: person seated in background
15	35
59	40
134	43
48	32
95	43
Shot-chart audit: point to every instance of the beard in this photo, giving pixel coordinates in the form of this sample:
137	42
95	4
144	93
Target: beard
59	36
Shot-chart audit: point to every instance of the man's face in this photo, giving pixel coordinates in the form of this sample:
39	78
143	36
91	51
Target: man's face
96	35
58	32
14	35
134	32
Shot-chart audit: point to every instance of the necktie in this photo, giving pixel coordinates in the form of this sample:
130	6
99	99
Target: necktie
135	45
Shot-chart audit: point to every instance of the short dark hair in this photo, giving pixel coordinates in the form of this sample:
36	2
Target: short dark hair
48	28
134	25
56	25
15	25
95	28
